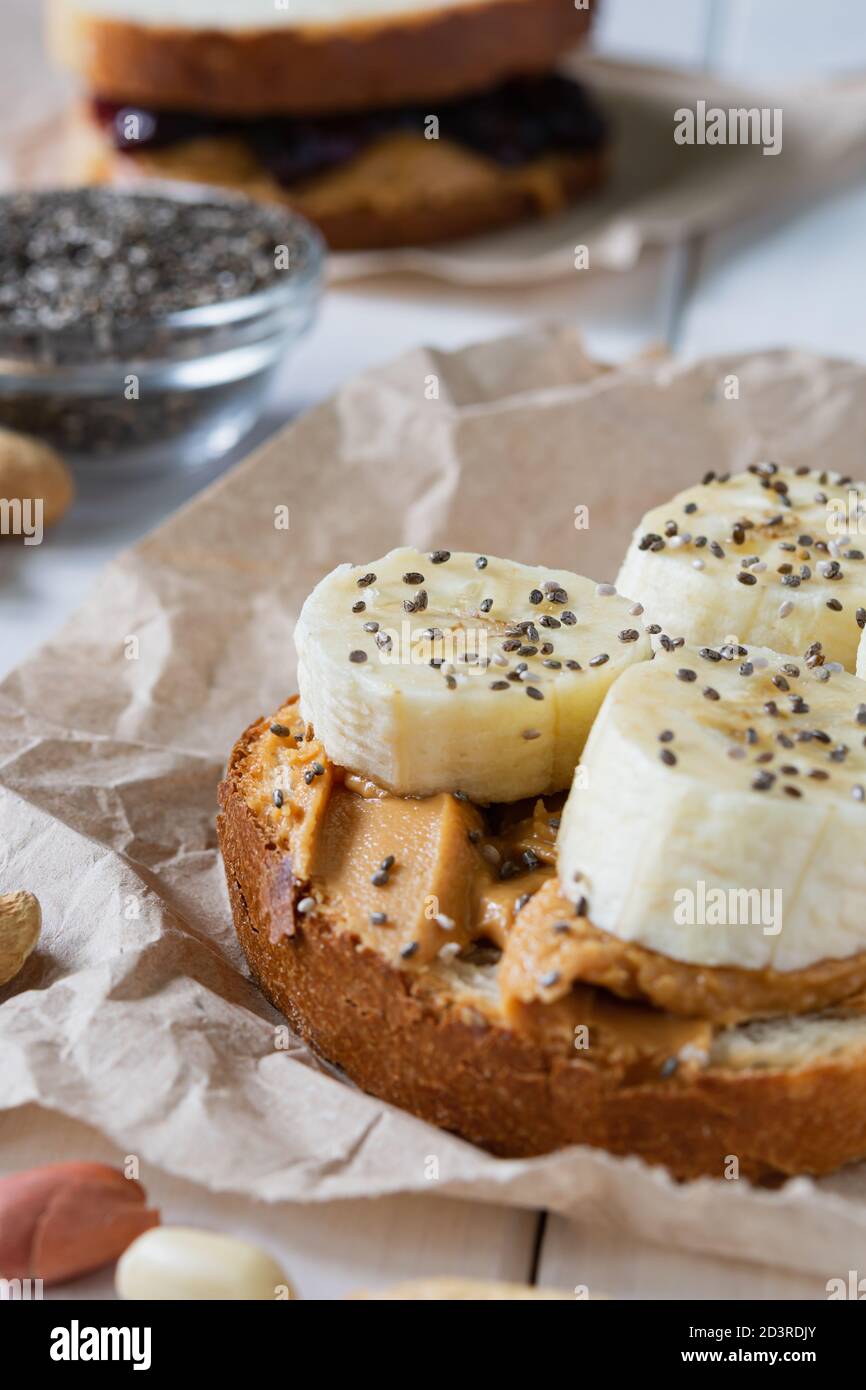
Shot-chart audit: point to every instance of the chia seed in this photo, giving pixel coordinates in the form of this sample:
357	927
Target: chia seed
94	286
104	257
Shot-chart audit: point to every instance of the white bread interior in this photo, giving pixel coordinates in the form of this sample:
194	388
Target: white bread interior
256	14
789	1044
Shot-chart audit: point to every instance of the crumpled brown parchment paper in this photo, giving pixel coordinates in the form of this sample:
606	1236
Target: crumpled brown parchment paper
136	1014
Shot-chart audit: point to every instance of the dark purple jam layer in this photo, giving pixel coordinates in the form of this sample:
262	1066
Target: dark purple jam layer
513	125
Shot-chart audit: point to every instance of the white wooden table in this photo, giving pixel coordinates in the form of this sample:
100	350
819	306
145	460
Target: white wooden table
792	281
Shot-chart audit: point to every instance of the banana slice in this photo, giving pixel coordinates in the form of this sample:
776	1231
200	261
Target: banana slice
769	556
468	673
720	813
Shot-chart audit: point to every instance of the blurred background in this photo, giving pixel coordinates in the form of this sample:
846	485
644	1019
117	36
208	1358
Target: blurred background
781	276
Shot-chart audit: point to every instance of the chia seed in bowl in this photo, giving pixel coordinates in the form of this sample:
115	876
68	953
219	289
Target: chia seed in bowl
145	328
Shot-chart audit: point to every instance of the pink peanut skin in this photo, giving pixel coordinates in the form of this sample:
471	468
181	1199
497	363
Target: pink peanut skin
67	1219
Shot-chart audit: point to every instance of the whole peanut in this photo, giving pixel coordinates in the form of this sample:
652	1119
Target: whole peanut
31	472
66	1219
20	924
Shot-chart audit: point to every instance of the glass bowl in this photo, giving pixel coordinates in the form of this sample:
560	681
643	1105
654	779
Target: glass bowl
160	392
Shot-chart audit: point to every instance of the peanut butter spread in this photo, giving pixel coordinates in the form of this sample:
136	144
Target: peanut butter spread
465	900
394	173
407	875
725	995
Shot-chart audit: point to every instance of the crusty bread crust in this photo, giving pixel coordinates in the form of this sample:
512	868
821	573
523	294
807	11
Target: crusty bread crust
418	209
502	1089
428	55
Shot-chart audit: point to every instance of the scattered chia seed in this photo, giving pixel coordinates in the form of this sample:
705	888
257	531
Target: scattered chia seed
281	731
408	950
378	919
763	781
439	557
358	657
278	797
481	562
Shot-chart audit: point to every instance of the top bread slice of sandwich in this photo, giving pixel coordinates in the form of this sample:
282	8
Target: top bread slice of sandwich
260	57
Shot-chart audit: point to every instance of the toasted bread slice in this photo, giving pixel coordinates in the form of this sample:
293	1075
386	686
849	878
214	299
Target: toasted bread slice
781	1096
253	57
